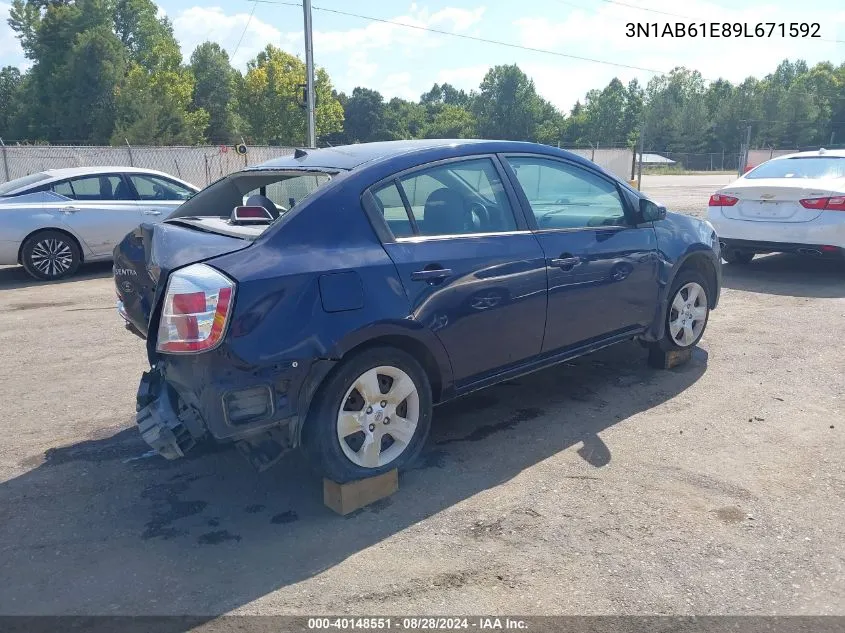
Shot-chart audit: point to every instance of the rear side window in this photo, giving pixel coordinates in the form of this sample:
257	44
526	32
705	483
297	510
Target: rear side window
455	198
811	167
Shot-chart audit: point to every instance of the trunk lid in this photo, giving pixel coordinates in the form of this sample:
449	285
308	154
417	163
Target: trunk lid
146	256
775	199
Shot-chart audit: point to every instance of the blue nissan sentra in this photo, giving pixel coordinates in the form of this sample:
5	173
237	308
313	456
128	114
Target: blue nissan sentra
329	299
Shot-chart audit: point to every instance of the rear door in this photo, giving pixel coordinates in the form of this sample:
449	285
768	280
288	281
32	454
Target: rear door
474	273
602	267
102	209
157	196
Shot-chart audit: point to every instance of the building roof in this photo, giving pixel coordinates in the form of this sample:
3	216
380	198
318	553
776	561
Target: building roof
657	159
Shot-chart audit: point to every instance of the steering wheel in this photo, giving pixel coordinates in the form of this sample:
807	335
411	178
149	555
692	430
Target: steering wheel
479	211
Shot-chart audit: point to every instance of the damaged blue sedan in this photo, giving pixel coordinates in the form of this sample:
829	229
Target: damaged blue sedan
329	299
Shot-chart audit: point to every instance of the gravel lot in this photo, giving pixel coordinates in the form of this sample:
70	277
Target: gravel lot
597	487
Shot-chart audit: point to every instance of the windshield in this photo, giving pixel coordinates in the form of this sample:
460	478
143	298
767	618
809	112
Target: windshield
8	187
812	167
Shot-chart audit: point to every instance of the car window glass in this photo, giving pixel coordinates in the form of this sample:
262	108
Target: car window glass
459	198
563	196
816	167
389	202
155	188
63	189
290	191
96	188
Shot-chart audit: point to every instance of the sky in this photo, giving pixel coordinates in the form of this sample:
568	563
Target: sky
404	62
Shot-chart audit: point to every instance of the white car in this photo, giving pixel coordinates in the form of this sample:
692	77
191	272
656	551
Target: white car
793	203
52	221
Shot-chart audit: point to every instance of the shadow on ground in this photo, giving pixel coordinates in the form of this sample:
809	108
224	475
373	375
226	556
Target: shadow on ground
17	277
97	528
788	275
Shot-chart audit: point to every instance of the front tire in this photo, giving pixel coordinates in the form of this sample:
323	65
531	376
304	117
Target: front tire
372	415
50	255
687	313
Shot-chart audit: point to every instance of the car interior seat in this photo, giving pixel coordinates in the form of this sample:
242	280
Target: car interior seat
444	213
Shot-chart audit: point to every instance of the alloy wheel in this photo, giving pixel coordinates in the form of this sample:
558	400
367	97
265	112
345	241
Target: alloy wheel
52	257
688	314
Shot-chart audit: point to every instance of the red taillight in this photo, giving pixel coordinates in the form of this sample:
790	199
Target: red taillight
720	200
836	203
196	310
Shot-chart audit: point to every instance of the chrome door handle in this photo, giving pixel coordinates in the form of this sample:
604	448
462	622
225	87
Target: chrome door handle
71	209
565	262
152	212
432	274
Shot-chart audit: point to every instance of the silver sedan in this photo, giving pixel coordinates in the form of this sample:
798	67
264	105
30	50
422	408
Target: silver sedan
52	221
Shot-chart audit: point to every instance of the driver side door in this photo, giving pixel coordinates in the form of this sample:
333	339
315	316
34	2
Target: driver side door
602	266
157	197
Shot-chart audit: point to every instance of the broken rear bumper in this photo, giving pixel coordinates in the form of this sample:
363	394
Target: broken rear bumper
185	400
158	419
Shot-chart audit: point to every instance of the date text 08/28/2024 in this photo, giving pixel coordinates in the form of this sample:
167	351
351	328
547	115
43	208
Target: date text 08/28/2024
723	29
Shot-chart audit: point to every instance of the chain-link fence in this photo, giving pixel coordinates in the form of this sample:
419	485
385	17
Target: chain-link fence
657	160
197	165
201	165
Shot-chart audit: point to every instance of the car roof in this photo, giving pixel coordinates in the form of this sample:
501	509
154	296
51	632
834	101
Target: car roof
837	153
93	170
346	157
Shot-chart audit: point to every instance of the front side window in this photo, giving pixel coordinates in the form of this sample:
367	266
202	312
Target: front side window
563	196
156	188
456	198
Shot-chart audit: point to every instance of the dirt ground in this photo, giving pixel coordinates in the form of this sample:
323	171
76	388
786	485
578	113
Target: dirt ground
597	487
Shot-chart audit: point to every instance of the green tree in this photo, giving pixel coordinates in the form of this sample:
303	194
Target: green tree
11	91
95	64
271	103
404	119
507	105
153	108
364	118
148	39
452	121
215	89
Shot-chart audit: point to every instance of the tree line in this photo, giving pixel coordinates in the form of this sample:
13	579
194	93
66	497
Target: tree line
111	72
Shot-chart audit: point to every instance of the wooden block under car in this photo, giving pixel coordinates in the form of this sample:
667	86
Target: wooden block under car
346	498
660	359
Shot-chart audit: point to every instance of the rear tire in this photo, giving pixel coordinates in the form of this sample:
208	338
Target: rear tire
372	415
50	255
737	256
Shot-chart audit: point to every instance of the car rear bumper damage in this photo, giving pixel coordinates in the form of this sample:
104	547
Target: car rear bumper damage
181	404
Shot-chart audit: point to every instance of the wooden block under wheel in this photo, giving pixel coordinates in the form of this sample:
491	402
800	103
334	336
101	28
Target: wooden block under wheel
346	498
660	359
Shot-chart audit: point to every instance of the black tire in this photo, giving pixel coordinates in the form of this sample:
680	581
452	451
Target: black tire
737	256
50	255
668	342
320	441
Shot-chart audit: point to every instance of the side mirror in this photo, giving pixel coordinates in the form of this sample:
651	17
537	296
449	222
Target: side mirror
651	211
